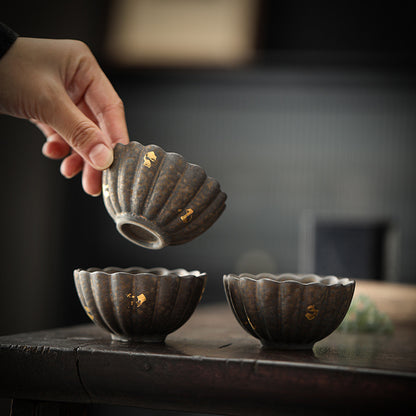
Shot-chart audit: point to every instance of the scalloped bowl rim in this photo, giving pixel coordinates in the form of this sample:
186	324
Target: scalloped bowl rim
307	279
135	143
128	271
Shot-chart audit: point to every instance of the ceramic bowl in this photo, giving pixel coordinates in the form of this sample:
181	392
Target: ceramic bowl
157	198
288	311
137	304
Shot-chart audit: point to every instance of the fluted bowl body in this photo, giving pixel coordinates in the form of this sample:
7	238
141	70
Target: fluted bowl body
157	199
137	304
288	311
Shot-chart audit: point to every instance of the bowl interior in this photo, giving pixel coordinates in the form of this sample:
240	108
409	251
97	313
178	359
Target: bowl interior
141	232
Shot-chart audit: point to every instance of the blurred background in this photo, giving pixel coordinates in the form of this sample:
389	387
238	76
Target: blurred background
304	111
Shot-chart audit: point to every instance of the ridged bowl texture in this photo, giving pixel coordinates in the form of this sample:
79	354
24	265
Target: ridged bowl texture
138	304
288	311
157	198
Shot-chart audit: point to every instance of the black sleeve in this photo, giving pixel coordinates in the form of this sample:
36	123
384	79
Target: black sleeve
7	38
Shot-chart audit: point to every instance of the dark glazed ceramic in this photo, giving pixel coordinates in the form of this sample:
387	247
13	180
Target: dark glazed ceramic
157	198
288	311
137	304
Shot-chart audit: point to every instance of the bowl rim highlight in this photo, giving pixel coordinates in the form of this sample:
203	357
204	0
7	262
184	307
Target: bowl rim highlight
303	279
138	270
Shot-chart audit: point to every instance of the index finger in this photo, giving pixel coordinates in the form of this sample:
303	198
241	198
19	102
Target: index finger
107	107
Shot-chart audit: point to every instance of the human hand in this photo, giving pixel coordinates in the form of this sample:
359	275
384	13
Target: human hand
59	86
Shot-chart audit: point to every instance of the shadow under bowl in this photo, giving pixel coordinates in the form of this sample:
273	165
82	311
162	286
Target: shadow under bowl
157	199
137	304
288	311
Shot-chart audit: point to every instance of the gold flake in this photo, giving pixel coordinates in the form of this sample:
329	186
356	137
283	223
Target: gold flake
149	157
187	216
141	299
136	303
311	313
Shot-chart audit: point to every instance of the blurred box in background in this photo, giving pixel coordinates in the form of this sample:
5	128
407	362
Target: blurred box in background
363	247
182	32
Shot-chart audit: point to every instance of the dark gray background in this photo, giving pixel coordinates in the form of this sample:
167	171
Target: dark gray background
323	122
309	127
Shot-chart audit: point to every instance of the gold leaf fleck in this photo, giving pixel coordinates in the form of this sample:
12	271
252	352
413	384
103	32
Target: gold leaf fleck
311	313
187	216
141	299
149	157
136	303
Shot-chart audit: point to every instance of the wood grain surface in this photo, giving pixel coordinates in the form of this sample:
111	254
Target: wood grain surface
212	365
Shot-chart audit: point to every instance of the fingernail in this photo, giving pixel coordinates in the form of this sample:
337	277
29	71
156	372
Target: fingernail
45	149
101	156
67	176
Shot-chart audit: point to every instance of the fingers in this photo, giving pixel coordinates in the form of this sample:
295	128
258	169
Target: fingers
85	114
83	106
89	83
107	107
72	165
81	133
55	146
38	75
91	180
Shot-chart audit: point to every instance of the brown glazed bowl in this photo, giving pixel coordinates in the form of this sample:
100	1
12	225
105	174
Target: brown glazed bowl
158	199
288	311
137	304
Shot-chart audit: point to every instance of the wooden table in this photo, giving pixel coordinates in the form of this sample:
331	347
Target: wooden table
212	365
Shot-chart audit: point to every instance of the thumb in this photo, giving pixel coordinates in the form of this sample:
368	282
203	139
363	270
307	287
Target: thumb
81	133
